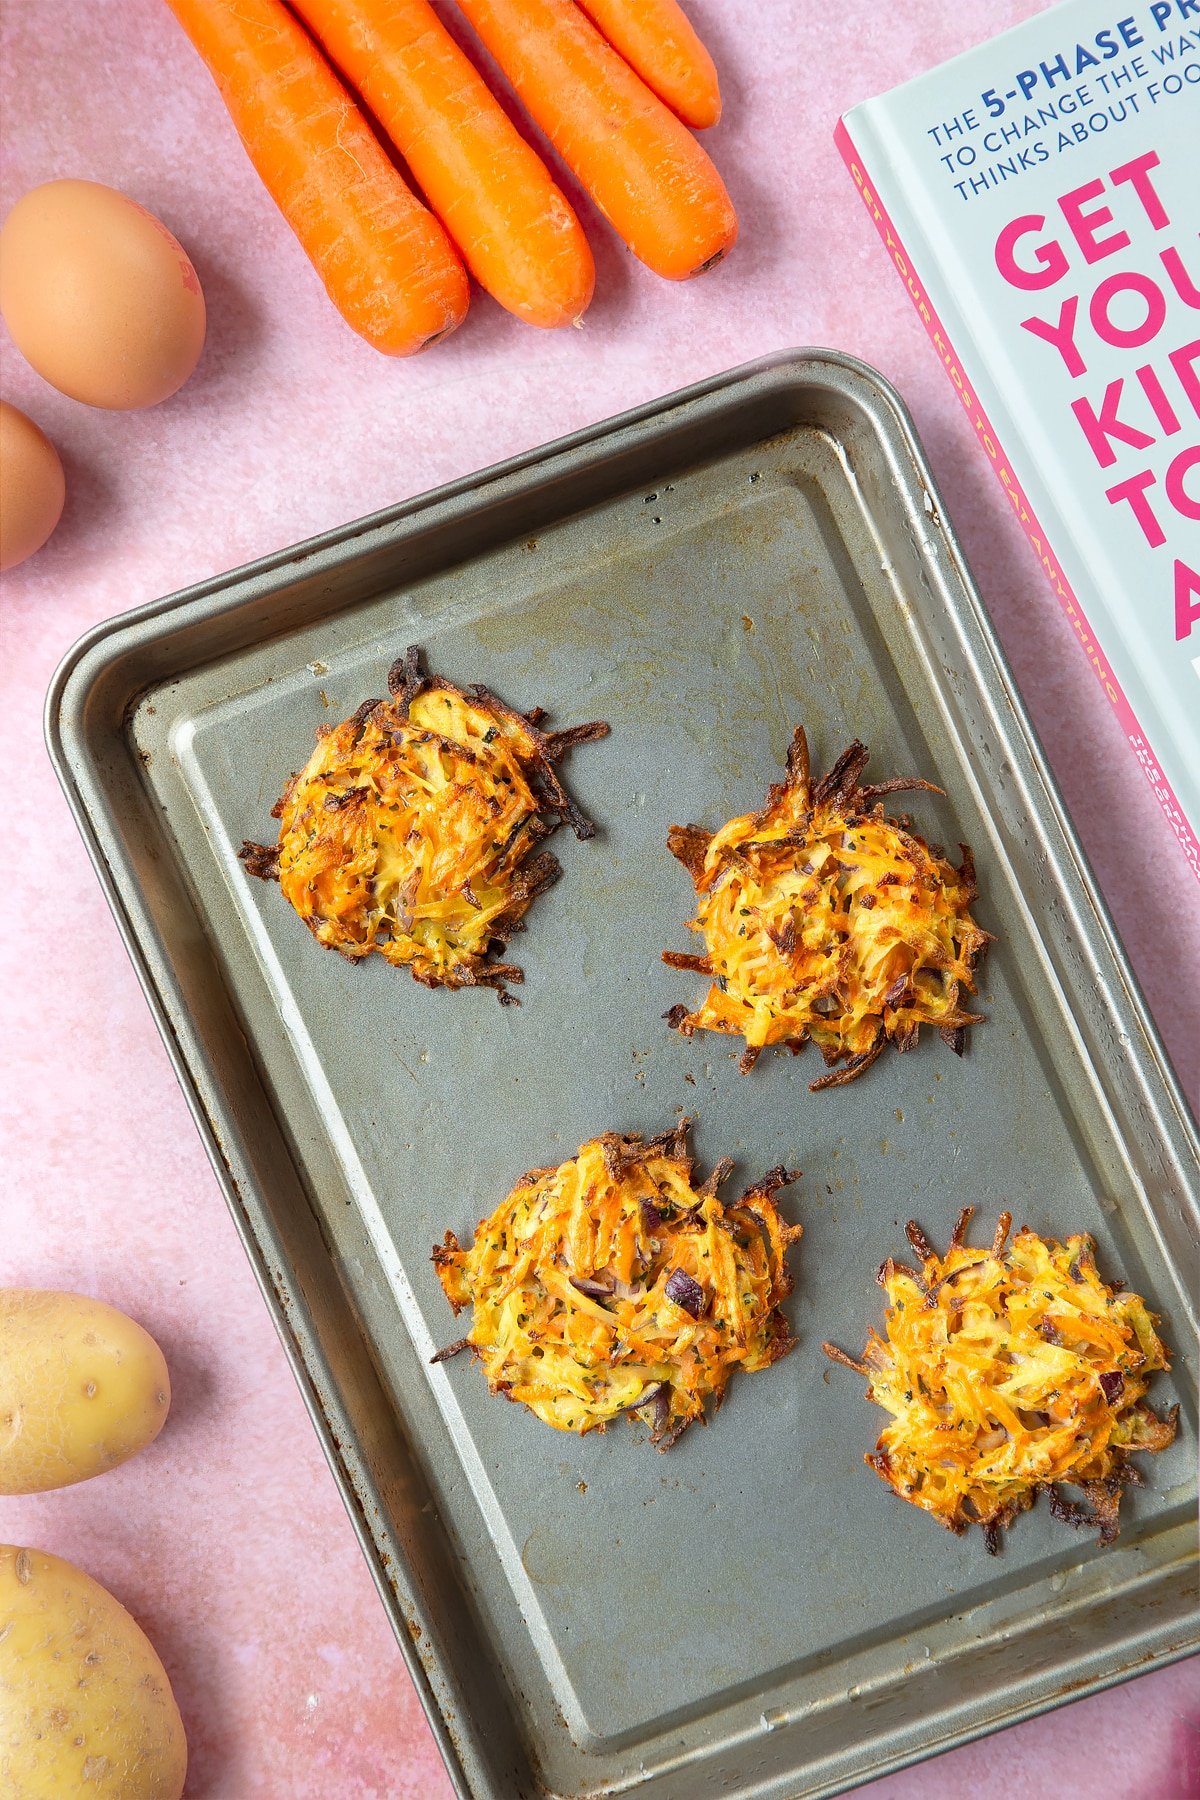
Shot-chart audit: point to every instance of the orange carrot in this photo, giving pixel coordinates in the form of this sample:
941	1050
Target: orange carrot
386	263
657	40
491	190
645	171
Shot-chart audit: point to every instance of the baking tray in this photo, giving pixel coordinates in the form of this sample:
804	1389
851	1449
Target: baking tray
753	1613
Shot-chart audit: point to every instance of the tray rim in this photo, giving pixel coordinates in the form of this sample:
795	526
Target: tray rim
400	1596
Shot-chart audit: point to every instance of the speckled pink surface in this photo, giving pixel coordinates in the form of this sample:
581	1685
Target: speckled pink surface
227	1539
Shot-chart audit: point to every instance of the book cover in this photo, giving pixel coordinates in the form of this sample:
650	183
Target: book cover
1040	199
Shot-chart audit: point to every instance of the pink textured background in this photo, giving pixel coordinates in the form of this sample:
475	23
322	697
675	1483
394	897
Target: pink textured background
228	1540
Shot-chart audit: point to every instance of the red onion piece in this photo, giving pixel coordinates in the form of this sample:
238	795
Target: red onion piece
662	1412
686	1293
595	1290
649	1397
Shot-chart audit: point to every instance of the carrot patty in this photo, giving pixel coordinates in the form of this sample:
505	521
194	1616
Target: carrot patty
1007	1371
414	829
824	921
613	1285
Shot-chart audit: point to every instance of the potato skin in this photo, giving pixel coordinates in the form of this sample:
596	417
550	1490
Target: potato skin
86	1709
82	1387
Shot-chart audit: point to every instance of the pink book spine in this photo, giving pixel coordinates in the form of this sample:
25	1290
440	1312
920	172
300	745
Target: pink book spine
1016	496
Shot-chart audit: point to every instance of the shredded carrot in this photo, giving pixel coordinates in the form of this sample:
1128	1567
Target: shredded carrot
645	171
385	261
491	190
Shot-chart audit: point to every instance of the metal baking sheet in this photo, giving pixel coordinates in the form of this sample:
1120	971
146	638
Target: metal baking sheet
753	1613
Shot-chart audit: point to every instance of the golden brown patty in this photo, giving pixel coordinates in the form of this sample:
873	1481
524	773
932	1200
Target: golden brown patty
611	1284
825	921
413	829
1007	1371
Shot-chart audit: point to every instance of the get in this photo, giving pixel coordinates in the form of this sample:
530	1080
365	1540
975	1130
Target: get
1039	265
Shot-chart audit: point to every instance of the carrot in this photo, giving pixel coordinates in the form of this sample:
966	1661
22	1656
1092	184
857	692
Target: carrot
491	190
657	40
645	171
386	263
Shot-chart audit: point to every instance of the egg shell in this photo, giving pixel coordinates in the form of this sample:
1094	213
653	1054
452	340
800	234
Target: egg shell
32	488
85	1704
98	295
82	1389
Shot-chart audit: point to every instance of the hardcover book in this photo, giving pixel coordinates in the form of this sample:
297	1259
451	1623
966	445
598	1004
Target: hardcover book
1040	200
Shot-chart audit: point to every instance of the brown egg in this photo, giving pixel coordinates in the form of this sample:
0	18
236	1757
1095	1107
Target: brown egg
99	296
32	489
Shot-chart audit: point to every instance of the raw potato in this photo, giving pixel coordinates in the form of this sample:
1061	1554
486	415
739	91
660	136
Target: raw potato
82	1388
86	1710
